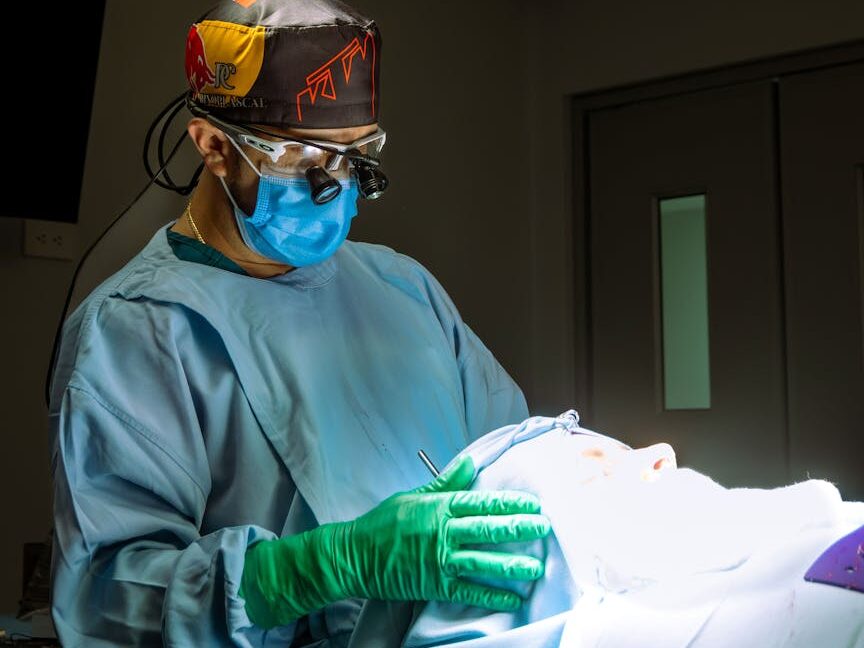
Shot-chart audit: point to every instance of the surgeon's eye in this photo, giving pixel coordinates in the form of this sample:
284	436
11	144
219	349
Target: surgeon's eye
290	156
329	159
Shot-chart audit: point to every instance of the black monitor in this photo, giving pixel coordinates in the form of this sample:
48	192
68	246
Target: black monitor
48	78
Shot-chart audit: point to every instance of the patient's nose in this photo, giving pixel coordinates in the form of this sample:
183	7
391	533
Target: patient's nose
661	463
657	458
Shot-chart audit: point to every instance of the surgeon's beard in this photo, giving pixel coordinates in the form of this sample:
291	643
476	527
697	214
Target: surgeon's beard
246	197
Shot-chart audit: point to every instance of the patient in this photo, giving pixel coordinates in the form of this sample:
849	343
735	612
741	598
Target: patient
648	554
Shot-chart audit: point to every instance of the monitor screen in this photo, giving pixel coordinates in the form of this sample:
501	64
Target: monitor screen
48	78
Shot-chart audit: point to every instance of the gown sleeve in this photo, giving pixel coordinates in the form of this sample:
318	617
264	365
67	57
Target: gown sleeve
131	483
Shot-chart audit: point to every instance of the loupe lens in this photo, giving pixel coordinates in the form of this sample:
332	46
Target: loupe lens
324	186
371	180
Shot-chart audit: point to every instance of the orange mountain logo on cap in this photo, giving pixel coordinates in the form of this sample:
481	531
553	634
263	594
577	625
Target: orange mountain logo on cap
321	82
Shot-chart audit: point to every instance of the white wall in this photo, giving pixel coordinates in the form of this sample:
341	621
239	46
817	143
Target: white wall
474	100
140	68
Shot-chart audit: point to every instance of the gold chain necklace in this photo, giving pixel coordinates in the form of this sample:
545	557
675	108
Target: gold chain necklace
192	223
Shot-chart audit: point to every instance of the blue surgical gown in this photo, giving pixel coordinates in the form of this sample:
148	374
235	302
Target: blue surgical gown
196	411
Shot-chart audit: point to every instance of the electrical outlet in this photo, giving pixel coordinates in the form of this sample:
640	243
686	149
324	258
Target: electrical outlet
51	240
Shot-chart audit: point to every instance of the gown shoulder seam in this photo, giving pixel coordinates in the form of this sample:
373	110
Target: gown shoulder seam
134	425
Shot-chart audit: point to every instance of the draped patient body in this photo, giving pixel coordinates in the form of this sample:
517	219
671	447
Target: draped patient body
645	553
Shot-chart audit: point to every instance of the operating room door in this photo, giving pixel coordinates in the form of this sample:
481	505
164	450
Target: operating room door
822	137
716	149
725	278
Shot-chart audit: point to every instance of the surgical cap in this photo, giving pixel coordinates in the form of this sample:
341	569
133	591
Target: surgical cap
286	63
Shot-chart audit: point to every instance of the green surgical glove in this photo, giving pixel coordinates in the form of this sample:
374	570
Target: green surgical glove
408	548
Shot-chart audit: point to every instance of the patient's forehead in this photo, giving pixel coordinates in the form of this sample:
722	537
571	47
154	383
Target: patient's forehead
596	447
559	448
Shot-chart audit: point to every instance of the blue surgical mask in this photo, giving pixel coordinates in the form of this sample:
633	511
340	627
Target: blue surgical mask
287	226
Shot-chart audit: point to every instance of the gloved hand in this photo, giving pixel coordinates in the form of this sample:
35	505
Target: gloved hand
408	548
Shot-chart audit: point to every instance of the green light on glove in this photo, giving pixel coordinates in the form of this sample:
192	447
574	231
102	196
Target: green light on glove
408	548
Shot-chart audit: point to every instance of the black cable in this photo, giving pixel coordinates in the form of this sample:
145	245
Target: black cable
148	138
173	108
161	146
153	179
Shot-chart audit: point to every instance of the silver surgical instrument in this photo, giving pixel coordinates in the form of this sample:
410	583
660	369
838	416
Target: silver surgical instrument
426	460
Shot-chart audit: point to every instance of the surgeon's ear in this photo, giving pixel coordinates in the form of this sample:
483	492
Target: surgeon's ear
212	144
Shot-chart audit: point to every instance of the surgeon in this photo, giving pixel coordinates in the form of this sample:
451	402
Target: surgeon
235	415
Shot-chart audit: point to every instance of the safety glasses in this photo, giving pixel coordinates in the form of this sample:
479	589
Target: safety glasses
294	155
322	163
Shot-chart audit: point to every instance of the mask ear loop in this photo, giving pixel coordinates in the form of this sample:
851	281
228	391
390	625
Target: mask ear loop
228	192
225	185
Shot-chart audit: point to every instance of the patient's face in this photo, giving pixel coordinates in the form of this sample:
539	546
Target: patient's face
601	458
599	495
